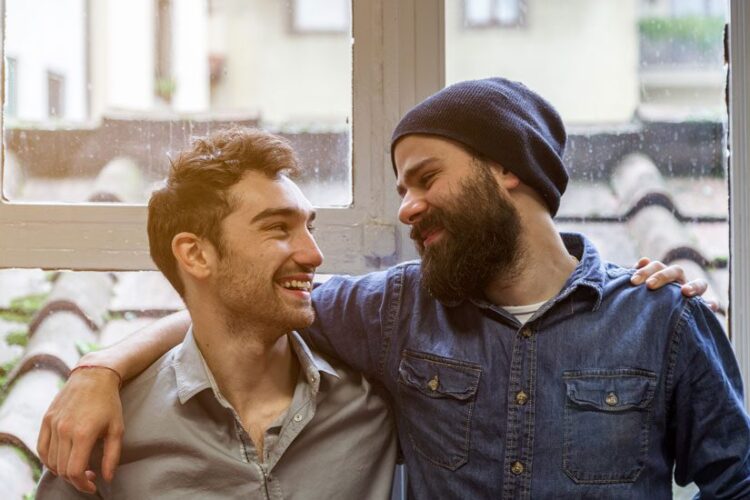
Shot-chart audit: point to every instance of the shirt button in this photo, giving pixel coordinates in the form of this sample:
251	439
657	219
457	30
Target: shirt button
433	383
298	417
521	398
526	332
517	468
611	399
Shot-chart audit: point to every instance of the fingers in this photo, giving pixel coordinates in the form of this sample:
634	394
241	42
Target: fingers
76	472
646	270
694	288
63	452
112	447
642	262
51	462
42	442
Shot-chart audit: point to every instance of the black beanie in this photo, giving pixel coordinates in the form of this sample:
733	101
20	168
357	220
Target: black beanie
503	121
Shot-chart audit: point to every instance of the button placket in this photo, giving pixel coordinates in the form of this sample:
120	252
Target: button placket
520	423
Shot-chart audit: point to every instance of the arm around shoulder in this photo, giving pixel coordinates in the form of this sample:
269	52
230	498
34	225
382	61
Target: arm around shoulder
88	406
354	317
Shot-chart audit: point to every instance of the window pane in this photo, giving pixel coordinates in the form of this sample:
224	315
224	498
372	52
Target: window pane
640	85
101	94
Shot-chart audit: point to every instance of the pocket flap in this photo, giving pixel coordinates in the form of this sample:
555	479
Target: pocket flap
439	377
611	390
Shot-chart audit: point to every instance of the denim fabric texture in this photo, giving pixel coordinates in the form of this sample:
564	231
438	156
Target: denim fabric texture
604	393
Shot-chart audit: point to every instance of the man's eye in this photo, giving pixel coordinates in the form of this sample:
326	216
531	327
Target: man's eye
427	178
311	228
277	227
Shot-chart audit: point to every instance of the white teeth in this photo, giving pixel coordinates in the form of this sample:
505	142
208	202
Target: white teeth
297	285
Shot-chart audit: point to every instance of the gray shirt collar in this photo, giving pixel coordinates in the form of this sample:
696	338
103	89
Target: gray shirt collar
193	374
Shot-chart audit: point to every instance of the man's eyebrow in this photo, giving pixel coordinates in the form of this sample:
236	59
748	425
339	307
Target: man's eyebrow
280	212
412	171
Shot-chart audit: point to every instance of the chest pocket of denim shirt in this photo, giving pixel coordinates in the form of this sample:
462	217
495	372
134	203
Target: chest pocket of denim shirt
437	399
607	415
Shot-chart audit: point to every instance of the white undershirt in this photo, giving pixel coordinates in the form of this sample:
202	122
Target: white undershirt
524	313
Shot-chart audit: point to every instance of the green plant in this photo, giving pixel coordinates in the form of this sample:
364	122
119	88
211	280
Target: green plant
86	347
703	32
18	337
165	88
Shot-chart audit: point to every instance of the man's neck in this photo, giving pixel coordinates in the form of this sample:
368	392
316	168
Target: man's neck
541	271
255	369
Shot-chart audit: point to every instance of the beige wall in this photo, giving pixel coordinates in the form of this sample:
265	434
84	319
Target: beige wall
582	55
287	77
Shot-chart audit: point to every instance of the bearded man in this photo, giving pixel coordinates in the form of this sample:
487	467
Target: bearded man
518	363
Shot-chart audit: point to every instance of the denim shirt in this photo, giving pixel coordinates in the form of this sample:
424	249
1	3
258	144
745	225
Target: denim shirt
604	392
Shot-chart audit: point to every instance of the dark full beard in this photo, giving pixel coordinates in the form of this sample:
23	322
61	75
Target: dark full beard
482	240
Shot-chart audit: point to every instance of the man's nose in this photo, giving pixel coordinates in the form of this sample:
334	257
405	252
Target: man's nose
412	208
308	253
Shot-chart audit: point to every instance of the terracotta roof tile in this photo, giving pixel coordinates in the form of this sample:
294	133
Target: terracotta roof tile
85	293
23	408
146	293
56	344
18	283
661	236
16	474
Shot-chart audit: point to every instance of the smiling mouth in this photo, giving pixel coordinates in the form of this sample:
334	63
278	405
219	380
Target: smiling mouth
430	237
297	285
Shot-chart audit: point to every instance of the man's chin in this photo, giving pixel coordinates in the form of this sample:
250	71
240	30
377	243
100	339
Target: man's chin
299	320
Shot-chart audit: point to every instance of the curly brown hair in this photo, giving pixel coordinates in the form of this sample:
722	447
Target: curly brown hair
195	198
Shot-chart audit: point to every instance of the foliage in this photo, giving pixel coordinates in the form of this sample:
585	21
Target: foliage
86	347
18	337
703	32
23	309
29	304
5	369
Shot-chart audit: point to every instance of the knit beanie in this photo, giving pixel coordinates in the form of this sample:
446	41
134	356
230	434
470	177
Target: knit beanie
501	120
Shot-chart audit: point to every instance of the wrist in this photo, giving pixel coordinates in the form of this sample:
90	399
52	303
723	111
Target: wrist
103	370
103	359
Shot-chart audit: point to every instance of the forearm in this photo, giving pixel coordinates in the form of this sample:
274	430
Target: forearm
136	352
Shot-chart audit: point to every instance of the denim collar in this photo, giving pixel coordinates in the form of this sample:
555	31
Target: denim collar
589	273
193	374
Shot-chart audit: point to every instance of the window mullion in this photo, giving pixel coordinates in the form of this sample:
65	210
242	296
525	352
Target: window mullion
739	45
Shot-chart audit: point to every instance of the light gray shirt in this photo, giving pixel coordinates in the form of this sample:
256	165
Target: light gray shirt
184	440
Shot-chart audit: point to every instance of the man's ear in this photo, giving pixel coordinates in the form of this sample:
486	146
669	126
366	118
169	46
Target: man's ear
195	256
506	178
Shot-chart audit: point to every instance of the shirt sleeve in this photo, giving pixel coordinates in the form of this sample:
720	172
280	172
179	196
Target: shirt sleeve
711	429
352	319
52	487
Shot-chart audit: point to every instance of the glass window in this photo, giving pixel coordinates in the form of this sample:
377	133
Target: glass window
112	85
641	88
324	16
55	95
486	13
11	88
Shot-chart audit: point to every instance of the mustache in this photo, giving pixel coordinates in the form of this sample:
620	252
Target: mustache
428	222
